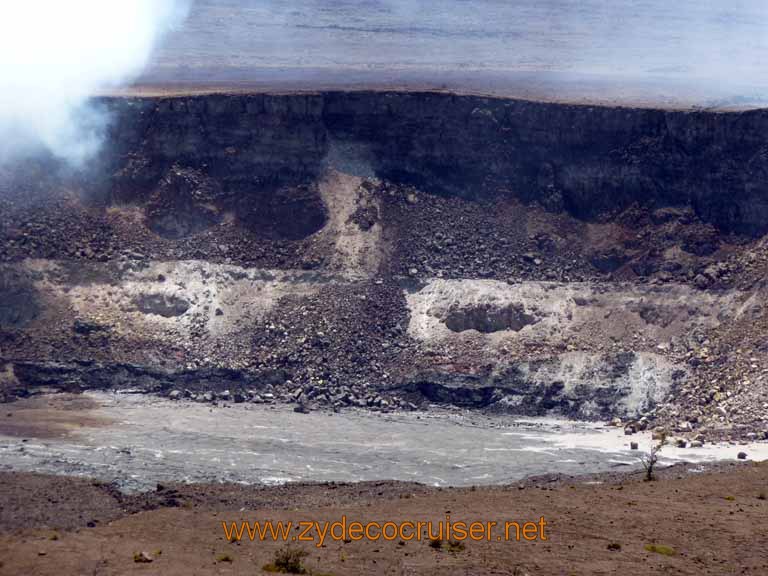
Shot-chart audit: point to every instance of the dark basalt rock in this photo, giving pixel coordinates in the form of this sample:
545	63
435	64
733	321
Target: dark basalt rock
183	204
516	390
18	301
607	159
81	376
86	328
287	214
487	318
161	304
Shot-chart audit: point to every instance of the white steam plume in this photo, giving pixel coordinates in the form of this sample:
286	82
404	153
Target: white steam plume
56	54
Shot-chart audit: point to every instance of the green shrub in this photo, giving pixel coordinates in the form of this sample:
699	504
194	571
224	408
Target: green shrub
660	549
436	543
288	560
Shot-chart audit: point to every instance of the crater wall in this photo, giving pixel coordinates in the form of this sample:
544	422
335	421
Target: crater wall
383	249
586	160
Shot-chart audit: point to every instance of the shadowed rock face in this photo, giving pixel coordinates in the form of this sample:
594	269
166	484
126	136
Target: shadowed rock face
289	214
18	301
162	305
586	160
487	318
183	204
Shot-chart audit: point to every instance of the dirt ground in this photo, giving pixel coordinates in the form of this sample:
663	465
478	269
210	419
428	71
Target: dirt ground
49	417
714	521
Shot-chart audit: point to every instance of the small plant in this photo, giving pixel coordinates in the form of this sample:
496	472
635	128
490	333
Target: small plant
614	547
224	558
142	558
649	460
288	560
454	546
761	496
660	549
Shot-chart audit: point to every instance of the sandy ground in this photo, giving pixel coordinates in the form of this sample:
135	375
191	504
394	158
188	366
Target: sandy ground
56	417
715	522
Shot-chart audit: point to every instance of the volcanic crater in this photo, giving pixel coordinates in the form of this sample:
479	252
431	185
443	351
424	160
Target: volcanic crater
389	250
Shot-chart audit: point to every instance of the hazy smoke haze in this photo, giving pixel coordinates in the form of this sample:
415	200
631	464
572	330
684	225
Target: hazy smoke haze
693	51
54	55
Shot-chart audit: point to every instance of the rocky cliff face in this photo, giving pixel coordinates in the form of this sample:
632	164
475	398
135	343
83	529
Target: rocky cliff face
586	160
